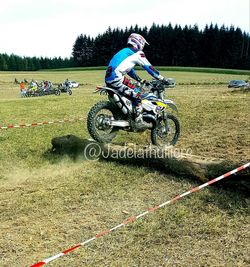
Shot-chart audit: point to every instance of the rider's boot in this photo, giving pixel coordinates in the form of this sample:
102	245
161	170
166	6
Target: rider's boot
139	122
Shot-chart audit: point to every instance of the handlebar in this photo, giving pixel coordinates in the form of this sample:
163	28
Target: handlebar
159	85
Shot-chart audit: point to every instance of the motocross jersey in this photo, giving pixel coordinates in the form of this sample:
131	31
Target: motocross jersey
124	62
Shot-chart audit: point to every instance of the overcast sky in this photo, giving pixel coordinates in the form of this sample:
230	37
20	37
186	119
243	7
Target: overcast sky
50	27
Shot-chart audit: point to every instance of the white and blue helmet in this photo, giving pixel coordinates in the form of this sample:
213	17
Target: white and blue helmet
137	41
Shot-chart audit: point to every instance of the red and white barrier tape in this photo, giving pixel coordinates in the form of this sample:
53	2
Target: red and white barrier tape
134	218
39	123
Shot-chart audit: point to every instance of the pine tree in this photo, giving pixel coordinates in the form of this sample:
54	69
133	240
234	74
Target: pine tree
3	62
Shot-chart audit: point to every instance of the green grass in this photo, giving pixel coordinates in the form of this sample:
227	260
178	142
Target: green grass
50	203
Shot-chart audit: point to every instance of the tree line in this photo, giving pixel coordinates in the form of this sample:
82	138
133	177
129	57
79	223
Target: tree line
224	47
214	47
16	63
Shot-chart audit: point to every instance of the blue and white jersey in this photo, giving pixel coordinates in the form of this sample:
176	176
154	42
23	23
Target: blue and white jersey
124	62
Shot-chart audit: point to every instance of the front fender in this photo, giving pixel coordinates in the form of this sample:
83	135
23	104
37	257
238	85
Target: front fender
171	104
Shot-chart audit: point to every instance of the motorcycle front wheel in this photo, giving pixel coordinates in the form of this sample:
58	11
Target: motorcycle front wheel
69	92
99	121
57	92
166	132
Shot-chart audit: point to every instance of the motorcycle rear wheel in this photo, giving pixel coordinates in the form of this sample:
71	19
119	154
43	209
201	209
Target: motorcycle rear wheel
166	132
98	122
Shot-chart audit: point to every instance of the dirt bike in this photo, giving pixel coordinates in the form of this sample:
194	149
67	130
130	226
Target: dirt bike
106	118
65	89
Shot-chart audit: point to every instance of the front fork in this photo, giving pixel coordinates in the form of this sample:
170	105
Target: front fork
165	121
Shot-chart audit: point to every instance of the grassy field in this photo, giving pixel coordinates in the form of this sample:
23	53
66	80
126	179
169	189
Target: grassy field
170	68
50	203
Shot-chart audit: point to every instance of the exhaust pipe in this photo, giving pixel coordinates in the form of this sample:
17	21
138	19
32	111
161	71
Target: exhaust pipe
120	123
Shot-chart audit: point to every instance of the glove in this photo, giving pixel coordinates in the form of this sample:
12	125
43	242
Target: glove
165	81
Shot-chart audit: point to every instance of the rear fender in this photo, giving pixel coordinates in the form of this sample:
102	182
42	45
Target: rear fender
126	103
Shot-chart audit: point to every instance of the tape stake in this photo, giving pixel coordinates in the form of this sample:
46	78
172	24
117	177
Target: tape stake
150	210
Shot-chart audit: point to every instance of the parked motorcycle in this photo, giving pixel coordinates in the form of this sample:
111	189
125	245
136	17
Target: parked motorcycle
64	89
106	118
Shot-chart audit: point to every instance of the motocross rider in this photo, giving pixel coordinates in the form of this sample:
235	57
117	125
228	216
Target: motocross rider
123	63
